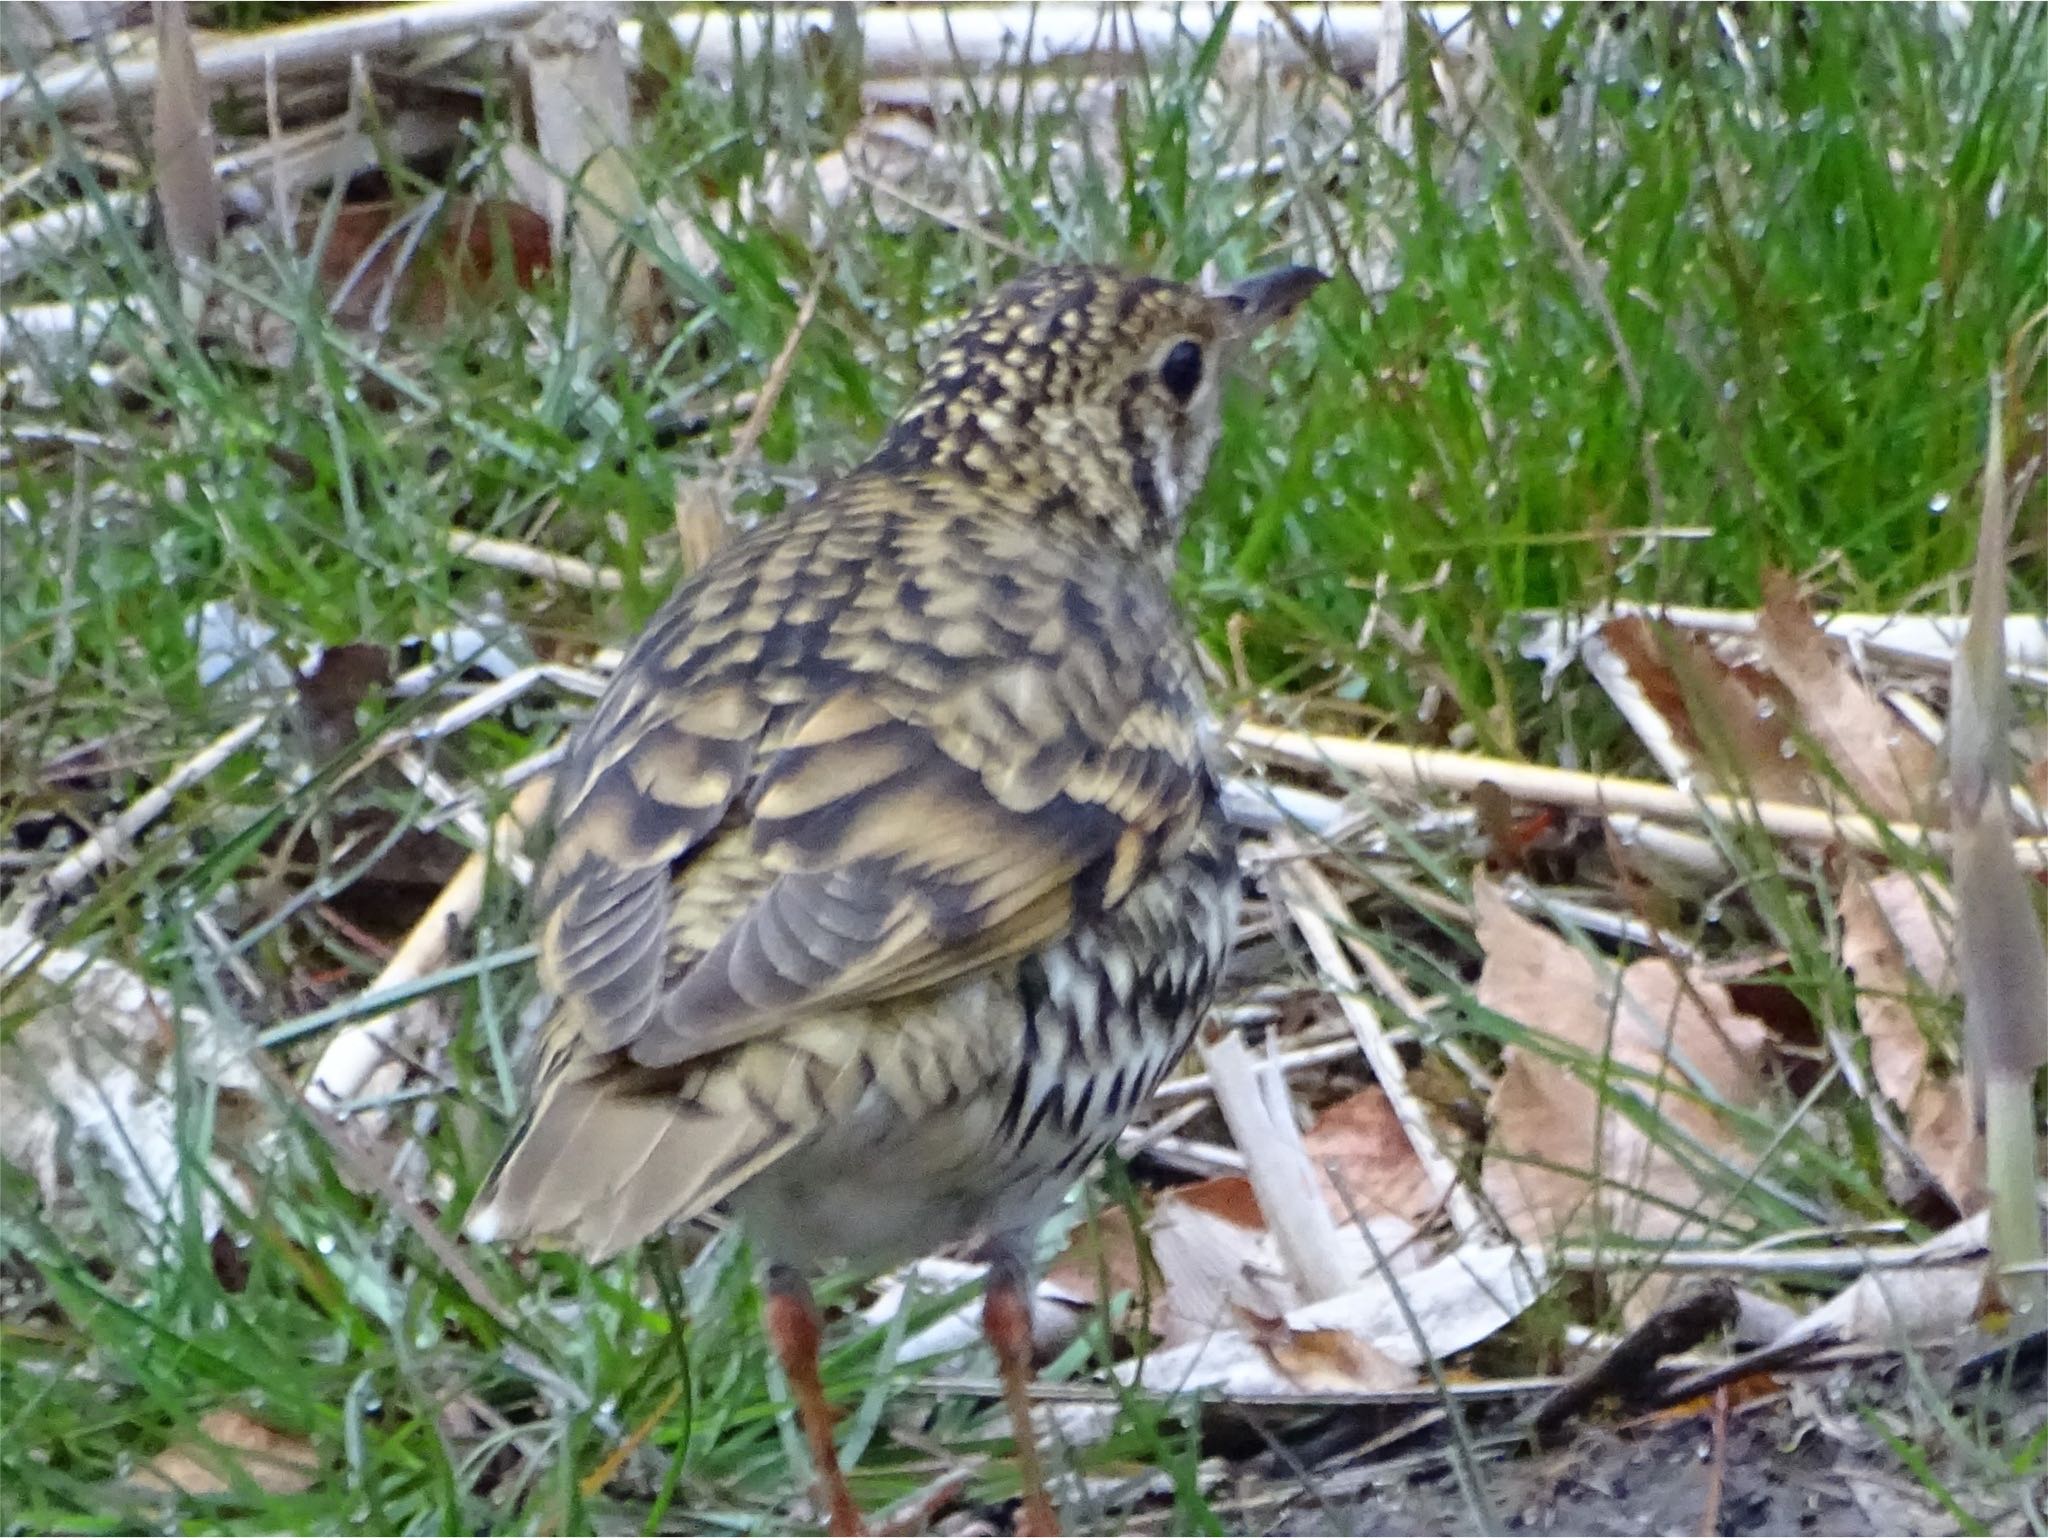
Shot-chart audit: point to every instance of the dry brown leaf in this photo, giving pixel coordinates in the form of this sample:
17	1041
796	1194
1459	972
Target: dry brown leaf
230	1442
1325	1361
1892	768
1365	1162
1897	944
418	265
1558	1160
1726	718
1212	1247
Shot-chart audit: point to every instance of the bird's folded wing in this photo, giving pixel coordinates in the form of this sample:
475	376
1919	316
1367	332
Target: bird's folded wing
894	847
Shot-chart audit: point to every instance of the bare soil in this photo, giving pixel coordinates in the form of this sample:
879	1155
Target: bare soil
1827	1455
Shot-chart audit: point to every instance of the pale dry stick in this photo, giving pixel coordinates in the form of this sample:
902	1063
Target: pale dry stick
1277	1164
703	512
532	561
922	39
301	48
50	236
1282	1064
1311	902
1677	850
1133	1140
360	1063
494	697
1394	128
1843	1261
111	841
1433	769
456	807
1928	641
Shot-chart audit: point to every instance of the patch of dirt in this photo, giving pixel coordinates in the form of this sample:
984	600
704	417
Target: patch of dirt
1818	1457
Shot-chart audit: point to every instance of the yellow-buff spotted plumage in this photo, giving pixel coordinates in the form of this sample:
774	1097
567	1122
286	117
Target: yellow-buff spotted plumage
889	874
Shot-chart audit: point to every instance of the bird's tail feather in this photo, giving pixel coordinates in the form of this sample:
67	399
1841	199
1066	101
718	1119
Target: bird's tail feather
596	1167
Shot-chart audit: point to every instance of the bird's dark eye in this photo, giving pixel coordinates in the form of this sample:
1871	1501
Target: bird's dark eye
1182	370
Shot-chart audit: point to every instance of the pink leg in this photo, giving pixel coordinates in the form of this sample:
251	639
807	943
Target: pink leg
1006	1319
791	1319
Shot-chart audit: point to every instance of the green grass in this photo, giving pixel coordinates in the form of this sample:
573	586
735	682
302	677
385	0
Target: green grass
1666	278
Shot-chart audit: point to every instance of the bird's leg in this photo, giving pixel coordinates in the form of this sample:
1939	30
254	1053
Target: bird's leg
791	1318
1006	1319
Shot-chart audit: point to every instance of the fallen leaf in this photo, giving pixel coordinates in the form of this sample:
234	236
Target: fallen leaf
1325	1361
1212	1262
1892	768
1897	944
232	1444
1723	718
1932	1300
96	1072
1561	1162
1365	1162
1430	1314
421	264
1217	1260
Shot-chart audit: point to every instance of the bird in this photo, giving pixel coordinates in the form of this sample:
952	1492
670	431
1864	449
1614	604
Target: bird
890	874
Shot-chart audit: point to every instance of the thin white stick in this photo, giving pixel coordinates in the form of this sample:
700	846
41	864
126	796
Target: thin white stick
531	561
917	40
1310	901
1930	640
112	840
1846	1261
1281	1064
1429	769
303	47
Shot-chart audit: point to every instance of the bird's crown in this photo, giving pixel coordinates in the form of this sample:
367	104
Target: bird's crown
1093	392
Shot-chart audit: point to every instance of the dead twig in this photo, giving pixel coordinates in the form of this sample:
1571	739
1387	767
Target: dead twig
1628	1372
1416	769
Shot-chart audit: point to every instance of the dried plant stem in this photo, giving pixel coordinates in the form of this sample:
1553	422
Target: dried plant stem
1310	900
919	41
311	46
1849	1260
1277	1164
2000	955
112	840
1418	769
360	1059
532	561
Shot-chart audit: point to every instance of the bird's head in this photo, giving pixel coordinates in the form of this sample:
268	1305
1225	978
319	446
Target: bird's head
1092	392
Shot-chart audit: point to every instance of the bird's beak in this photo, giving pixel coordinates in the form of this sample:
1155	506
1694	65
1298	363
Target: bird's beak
1268	298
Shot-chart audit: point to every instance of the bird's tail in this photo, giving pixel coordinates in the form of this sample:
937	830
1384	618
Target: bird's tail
603	1160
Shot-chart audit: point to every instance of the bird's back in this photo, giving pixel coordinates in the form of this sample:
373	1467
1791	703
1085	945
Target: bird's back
907	740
